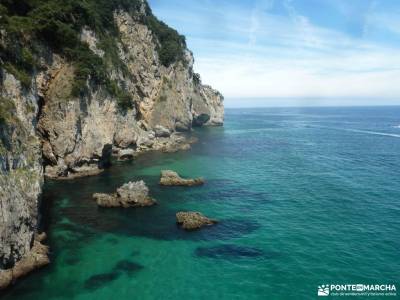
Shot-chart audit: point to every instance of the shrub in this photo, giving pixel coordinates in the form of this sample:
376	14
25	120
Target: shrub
172	44
20	74
7	110
58	24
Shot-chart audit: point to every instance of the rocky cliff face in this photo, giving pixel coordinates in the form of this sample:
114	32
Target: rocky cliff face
46	130
20	170
79	134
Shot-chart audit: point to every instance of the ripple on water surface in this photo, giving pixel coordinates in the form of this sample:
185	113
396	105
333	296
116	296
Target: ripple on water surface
304	197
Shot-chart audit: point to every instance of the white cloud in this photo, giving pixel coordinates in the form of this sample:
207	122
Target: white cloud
255	53
294	58
244	78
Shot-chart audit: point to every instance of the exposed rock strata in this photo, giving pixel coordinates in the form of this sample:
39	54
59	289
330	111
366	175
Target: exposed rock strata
170	178
131	194
20	170
193	220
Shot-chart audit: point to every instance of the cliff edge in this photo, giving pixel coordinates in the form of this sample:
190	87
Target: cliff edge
79	82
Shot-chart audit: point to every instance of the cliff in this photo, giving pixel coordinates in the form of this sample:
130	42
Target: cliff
82	84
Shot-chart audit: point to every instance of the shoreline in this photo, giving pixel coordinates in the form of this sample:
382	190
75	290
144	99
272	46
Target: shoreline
38	256
178	141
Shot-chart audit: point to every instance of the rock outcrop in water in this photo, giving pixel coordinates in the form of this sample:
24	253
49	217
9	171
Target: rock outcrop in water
171	178
68	102
131	194
193	220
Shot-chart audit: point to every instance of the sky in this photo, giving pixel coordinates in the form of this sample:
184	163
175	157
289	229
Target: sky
292	52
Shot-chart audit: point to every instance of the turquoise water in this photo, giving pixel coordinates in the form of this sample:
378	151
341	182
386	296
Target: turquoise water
305	197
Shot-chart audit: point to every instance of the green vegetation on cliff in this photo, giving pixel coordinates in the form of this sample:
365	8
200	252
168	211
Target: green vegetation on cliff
7	110
58	24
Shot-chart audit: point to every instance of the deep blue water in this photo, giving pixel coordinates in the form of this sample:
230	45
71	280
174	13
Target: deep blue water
305	196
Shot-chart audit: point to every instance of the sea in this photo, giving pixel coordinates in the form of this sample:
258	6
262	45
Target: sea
305	197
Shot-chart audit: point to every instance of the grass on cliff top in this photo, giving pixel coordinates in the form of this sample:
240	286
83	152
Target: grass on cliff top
58	23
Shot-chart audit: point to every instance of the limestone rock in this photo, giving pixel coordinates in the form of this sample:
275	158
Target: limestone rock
193	220
126	154
88	37
76	133
176	142
207	107
131	194
106	200
21	172
161	131
35	258
169	177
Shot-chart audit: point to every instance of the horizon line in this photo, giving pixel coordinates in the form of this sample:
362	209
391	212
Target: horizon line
315	106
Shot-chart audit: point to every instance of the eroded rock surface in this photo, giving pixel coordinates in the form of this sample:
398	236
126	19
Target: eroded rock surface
193	220
171	178
131	194
78	134
126	154
35	258
45	129
161	131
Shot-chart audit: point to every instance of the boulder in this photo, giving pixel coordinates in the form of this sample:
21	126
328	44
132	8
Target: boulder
126	154
176	142
171	178
106	200
181	126
145	142
193	220
131	194
161	131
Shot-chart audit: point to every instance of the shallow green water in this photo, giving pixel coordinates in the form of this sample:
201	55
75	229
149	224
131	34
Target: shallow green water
305	197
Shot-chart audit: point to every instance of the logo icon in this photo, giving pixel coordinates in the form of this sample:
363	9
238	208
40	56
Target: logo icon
323	290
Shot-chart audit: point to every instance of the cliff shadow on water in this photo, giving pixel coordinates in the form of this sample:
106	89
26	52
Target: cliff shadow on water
79	84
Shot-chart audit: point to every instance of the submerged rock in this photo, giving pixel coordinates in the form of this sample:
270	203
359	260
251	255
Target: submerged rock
193	220
36	258
100	280
169	178
122	267
131	194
